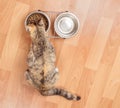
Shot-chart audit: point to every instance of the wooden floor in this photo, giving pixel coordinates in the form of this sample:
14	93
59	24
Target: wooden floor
89	63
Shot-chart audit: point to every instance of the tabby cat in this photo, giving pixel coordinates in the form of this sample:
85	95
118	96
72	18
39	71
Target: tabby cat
41	72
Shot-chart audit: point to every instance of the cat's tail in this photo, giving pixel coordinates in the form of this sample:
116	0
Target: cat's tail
60	92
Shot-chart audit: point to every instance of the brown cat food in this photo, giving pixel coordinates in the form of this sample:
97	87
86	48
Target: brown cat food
35	18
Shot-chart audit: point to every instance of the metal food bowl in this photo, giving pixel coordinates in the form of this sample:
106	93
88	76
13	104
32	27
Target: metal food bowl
66	25
41	13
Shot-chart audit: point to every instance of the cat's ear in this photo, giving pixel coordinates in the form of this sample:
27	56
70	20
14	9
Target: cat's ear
41	23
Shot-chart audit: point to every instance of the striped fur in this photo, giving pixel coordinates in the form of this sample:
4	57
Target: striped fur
60	92
41	72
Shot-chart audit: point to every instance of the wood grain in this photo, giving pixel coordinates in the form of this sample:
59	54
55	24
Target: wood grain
13	38
89	63
99	43
113	83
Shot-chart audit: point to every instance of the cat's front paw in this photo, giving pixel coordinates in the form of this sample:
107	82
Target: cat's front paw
26	74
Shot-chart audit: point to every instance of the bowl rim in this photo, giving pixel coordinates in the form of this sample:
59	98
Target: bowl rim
57	19
40	12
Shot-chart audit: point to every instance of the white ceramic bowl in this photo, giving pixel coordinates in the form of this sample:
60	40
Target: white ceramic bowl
66	25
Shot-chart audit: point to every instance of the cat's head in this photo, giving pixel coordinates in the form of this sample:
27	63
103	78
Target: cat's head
31	28
34	28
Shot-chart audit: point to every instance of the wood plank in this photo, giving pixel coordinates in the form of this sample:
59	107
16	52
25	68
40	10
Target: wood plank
90	27
99	43
105	103
2	42
48	5
37	101
116	102
13	36
50	105
6	12
112	5
4	79
113	82
98	86
84	87
113	42
24	1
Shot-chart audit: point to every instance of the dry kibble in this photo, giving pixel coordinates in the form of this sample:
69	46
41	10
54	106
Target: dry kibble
35	18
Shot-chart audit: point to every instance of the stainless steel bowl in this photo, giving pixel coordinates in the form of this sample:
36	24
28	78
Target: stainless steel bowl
39	12
66	25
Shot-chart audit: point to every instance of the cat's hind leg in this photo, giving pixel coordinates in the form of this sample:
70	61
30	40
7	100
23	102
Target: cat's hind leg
30	80
51	77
